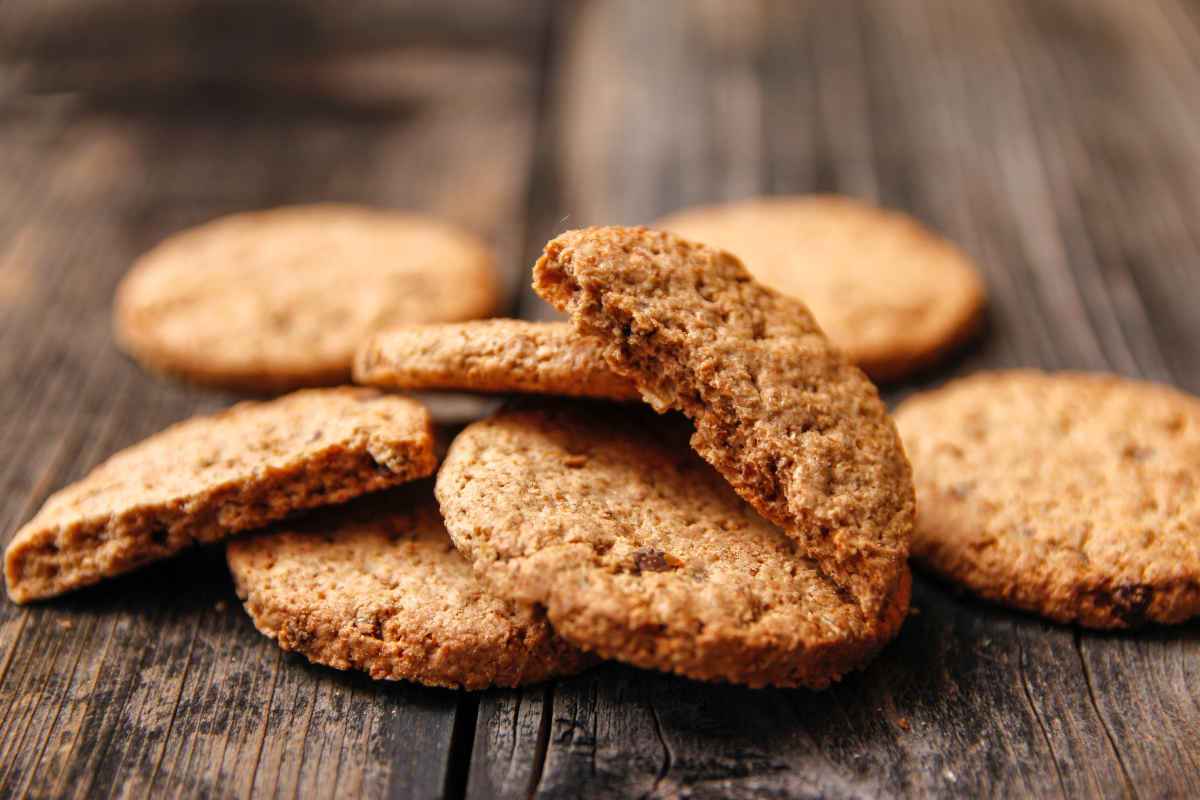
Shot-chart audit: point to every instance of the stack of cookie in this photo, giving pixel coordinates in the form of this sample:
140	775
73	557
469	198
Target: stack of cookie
755	530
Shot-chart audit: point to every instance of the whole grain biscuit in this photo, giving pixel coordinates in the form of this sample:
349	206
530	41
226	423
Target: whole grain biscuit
208	477
640	552
796	429
275	300
495	355
378	586
891	293
1074	496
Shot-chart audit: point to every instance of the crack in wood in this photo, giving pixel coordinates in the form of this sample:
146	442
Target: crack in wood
1023	677
1112	740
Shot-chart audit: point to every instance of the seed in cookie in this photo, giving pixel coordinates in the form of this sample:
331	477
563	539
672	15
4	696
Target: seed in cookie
378	586
640	552
799	432
208	477
892	294
494	355
1071	495
274	300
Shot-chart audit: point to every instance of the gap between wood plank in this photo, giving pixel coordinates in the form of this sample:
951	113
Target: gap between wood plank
462	741
543	739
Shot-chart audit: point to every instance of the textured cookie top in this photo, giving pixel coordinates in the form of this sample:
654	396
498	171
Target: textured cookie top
799	432
378	586
888	291
207	477
278	299
639	551
495	355
1075	496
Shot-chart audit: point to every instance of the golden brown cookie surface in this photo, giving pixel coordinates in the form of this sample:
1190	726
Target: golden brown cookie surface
378	586
208	477
494	355
1071	495
640	552
799	432
891	293
274	300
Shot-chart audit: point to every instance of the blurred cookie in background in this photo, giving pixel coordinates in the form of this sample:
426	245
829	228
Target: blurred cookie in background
892	294
268	301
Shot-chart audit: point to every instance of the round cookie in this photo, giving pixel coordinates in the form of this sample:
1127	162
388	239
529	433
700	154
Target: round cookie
640	552
272	300
378	586
891	293
796	430
494	355
208	477
1074	496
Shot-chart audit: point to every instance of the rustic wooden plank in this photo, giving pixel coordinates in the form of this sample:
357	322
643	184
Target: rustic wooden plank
138	687
510	738
1055	141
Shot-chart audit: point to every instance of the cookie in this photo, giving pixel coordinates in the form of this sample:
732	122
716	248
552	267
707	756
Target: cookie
798	431
273	300
1073	496
495	355
208	477
640	552
378	586
892	294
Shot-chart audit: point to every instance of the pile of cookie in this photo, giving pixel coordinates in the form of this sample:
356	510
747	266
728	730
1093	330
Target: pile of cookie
689	476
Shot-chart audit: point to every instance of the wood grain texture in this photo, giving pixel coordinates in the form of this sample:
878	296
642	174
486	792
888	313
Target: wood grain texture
1057	140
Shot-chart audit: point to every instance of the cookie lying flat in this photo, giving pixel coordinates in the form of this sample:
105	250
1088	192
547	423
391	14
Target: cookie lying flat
495	355
378	586
640	552
208	477
891	293
799	432
1074	496
273	300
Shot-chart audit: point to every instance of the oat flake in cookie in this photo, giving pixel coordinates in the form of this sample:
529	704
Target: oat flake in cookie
797	430
891	293
640	552
378	586
206	478
273	300
494	356
1074	496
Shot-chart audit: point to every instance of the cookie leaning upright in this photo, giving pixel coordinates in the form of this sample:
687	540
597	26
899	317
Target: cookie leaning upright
490	355
378	586
892	294
1071	495
798	431
639	551
274	300
208	477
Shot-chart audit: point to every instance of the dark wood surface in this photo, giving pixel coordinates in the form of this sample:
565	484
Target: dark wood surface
1057	140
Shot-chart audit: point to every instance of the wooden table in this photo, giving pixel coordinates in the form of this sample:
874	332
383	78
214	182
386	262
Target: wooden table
1058	142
